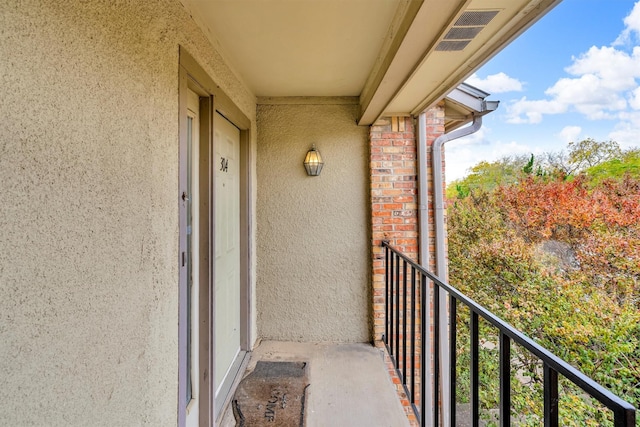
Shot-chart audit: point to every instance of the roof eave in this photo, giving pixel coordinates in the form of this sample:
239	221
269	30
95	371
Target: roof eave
398	74
468	102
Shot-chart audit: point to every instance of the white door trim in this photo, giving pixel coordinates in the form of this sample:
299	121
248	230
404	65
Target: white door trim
212	98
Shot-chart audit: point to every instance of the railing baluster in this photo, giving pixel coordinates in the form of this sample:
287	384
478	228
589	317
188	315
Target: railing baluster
397	325
389	314
404	323
387	275
436	355
624	417
413	335
475	375
453	311
423	353
430	357
550	396
505	380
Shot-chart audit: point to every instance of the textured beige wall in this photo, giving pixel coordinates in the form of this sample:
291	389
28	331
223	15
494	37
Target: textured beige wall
88	211
312	237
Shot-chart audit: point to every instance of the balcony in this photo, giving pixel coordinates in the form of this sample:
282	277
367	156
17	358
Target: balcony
349	384
423	328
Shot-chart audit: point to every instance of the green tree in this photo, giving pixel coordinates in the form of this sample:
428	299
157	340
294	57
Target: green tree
580	156
589	153
582	303
488	175
528	168
628	163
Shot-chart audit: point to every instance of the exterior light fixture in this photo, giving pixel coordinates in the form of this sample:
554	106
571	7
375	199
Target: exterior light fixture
313	162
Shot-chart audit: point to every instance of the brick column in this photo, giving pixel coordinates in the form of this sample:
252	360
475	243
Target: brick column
394	200
394	195
394	210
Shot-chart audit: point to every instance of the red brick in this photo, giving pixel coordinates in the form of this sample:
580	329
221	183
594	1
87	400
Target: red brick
391	135
394	201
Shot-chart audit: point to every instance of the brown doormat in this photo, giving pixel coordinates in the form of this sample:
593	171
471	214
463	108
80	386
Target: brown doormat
272	395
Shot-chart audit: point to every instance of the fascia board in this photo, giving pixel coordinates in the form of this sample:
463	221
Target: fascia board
524	20
407	51
390	80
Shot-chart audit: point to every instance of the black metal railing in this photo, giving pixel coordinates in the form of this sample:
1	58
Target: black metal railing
412	337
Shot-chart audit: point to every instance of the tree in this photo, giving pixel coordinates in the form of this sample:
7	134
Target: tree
488	175
581	156
617	168
587	312
589	152
558	164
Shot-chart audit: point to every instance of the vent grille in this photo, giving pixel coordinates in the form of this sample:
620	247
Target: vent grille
452	46
476	17
465	29
462	33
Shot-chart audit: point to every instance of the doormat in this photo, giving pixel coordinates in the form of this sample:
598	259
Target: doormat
272	395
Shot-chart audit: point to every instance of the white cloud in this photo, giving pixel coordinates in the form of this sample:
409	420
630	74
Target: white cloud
465	158
632	21
495	83
615	68
470	150
604	79
634	99
570	133
512	148
627	131
632	25
532	110
466	151
477	138
602	83
588	95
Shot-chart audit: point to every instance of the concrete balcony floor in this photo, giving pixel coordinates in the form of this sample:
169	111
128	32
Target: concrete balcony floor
349	384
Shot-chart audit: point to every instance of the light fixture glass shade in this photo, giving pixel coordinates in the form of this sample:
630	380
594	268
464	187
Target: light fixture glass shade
313	162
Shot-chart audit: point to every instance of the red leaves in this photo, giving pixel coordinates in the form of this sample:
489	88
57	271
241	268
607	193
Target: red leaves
560	260
564	209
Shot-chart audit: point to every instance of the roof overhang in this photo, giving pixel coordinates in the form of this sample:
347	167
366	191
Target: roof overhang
424	67
398	56
464	103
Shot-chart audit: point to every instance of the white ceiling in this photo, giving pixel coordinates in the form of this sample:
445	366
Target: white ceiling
383	51
298	47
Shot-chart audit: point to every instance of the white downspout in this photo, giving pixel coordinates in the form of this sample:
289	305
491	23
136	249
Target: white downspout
423	245
441	259
438	190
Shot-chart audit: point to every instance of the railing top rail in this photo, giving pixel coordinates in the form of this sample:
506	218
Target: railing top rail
594	389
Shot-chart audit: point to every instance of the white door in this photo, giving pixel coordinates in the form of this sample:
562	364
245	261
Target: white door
192	256
226	164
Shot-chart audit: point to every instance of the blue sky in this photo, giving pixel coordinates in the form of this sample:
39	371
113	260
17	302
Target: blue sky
574	75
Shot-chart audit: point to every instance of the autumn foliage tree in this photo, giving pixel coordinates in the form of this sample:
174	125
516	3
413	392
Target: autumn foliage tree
559	258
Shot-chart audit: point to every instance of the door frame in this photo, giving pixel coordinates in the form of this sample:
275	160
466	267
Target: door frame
212	99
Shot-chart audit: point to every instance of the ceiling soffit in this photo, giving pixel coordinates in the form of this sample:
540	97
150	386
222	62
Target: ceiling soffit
299	48
445	56
398	56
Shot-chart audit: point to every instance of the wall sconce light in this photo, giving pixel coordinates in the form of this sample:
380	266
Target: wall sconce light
313	162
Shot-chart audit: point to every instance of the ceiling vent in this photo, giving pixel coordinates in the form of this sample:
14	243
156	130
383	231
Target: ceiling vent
465	29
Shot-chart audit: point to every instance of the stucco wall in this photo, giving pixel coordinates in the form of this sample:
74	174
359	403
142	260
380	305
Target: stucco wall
312	233
88	211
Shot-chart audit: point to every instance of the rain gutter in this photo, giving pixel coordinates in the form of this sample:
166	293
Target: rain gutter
479	108
423	242
438	181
